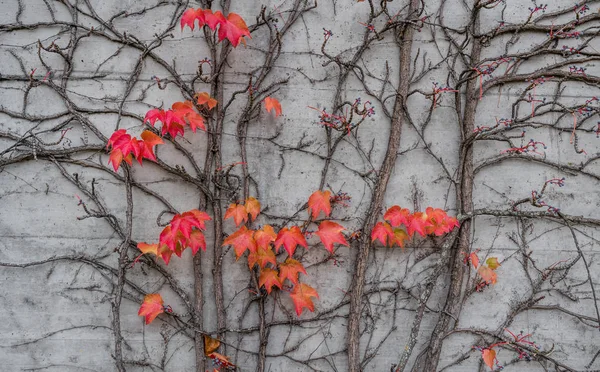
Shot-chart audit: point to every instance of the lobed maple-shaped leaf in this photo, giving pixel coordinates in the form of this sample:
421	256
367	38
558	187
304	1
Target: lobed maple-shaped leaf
237	212
265	236
474	259
196	241
400	236
151	307
272	104
171	122
440	222
261	256
290	269
320	201
290	239
397	216
269	278
418	223
232	28
252	207
148	248
383	232
205	99
492	263
185	110
184	231
241	240
489	356
331	232
124	147
301	296
487	274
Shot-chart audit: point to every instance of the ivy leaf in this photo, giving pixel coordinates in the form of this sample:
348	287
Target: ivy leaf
331	232
252	207
265	236
397	216
301	296
221	360
290	269
241	240
205	99
165	253
149	141
489	356
487	274
290	238
272	104
148	248
185	110
474	259
262	256
233	28
269	278
237	212
383	232
440	222
492	263
151	307
400	236
189	18
418	223
210	345
196	241
171	122
319	201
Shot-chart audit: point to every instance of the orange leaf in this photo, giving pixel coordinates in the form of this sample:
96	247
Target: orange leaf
290	238
252	207
265	236
262	256
331	232
383	231
241	240
233	28
487	274
474	259
148	248
489	356
492	263
210	345
269	278
237	212
151	307
165	253
205	99
271	104
290	269
397	216
319	201
196	241
301	296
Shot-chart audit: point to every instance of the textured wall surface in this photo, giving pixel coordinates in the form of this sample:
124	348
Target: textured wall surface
59	265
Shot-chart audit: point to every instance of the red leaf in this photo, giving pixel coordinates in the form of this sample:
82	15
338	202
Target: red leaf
418	223
489	356
233	28
185	111
252	207
212	19
383	231
319	201
205	99
115	158
165	253
241	240
151	307
196	241
397	216
440	222
271	104
221	360
301	296
331	232
238	213
269	278
290	238
172	123
189	18
262	256
265	236
290	269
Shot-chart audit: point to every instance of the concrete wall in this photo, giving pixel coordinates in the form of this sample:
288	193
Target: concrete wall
56	311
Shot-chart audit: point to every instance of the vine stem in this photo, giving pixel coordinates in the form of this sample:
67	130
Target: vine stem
405	39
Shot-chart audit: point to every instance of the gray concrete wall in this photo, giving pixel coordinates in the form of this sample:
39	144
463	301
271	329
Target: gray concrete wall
56	313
